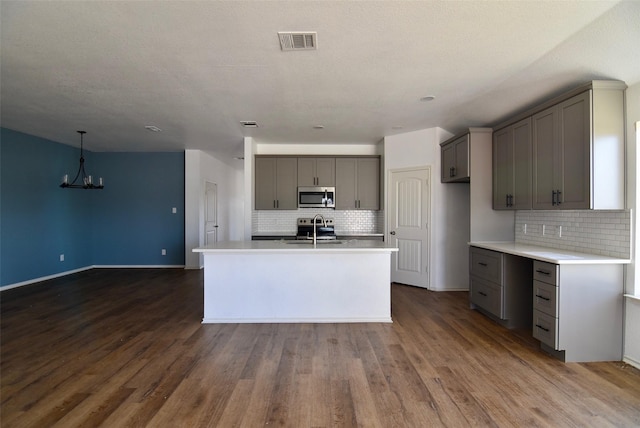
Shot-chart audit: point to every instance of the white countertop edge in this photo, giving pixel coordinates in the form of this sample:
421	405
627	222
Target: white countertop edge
294	320
295	250
293	247
546	254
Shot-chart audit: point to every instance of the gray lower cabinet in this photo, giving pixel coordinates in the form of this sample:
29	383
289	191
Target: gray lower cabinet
500	286
577	310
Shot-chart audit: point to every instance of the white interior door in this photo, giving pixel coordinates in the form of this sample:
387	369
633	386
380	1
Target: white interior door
210	213
409	219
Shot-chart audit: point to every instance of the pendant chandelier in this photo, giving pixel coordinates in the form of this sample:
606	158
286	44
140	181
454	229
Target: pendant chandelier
85	181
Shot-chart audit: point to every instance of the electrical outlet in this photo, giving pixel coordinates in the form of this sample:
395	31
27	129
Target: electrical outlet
524	228
61	257
559	231
174	210
164	252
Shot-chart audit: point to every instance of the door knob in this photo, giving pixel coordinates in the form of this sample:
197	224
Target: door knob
393	232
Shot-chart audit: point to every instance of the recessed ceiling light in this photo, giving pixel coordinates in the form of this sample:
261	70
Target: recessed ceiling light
318	127
249	123
153	128
428	98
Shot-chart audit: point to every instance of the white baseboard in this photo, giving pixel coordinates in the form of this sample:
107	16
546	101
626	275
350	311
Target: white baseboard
137	266
631	361
293	320
70	272
44	278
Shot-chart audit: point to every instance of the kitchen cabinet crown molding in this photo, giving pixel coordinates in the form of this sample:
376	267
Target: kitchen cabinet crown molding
563	95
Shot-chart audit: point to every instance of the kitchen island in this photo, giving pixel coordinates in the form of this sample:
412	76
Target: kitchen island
296	281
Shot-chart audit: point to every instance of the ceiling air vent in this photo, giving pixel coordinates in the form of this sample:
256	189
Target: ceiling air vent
293	41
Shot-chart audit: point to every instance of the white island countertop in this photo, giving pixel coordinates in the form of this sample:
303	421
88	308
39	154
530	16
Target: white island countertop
550	255
301	246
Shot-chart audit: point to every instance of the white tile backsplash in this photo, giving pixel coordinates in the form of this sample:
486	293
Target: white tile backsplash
603	232
285	221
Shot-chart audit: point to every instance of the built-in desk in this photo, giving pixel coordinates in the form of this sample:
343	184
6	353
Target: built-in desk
576	299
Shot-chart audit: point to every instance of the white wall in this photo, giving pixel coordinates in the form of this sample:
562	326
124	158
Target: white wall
201	167
449	205
631	352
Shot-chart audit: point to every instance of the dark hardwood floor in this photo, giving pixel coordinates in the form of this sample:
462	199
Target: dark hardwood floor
125	348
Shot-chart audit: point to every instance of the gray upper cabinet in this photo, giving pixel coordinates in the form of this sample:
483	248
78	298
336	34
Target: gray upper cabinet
512	167
316	171
358	183
276	183
455	160
577	152
561	147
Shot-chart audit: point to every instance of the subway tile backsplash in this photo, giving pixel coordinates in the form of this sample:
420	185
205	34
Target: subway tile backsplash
285	221
606	232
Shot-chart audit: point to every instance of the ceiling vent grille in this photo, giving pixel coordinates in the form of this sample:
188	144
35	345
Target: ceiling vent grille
294	41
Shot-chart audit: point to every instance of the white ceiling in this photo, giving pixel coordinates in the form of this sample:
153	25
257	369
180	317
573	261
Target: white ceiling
196	69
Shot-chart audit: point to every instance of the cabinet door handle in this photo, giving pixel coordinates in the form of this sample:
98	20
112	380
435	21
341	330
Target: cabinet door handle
482	294
543	272
482	264
542	297
510	200
542	328
558	193
453	168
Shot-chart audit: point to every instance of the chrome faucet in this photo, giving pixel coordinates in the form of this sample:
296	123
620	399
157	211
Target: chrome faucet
324	222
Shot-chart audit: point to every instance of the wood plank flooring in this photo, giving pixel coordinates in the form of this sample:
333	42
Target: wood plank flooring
125	348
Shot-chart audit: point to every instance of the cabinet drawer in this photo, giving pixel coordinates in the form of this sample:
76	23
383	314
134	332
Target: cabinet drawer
486	295
486	264
545	328
545	298
545	272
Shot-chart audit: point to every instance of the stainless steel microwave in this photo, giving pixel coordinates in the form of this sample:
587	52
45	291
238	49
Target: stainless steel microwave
316	197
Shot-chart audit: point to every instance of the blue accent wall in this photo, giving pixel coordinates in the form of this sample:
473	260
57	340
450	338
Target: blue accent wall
127	223
135	209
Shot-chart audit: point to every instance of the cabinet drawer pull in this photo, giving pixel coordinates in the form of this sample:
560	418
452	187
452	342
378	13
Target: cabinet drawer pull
482	293
542	297
482	264
543	272
542	328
